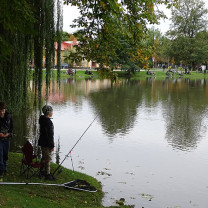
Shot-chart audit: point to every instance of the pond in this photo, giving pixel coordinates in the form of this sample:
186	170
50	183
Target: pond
148	143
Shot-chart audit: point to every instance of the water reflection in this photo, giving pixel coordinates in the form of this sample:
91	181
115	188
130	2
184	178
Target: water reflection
184	106
184	113
183	103
117	106
150	120
184	121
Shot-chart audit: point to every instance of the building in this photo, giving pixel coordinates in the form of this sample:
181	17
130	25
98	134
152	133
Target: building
66	48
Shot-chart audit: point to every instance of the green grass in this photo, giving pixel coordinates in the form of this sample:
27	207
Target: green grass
79	75
32	196
160	75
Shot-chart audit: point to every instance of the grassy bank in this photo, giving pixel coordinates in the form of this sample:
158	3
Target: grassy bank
80	74
32	196
158	74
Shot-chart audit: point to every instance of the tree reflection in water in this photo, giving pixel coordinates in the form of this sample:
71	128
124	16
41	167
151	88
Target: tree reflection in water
184	106
183	103
117	108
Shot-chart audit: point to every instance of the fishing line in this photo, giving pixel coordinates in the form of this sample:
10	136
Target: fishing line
75	145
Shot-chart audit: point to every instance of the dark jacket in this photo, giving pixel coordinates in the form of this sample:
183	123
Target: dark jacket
6	124
46	138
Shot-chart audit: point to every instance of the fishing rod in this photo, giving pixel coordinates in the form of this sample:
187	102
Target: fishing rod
79	185
74	146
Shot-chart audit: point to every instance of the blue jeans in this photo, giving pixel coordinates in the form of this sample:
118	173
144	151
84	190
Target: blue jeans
4	150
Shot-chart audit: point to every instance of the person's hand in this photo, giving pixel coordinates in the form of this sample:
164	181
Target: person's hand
4	135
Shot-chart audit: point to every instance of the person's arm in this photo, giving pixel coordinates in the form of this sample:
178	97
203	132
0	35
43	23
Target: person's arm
10	134
9	131
50	131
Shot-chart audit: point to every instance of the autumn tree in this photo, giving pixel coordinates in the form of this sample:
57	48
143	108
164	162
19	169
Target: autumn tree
105	23
155	40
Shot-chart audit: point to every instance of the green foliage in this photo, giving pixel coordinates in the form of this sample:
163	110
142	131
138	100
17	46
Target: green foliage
16	16
124	57
59	25
26	34
188	35
188	18
65	36
15	19
108	25
49	38
156	41
108	74
28	29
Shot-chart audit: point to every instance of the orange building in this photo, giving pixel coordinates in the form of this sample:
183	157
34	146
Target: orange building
66	48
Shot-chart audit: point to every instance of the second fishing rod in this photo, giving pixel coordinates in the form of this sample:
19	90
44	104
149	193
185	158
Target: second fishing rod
74	146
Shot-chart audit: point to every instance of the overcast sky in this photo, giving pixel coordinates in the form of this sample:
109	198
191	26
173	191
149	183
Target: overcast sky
71	12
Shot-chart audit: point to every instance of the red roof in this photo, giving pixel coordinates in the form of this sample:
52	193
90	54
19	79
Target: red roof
66	44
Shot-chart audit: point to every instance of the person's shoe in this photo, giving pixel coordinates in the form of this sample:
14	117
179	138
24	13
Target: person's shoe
50	177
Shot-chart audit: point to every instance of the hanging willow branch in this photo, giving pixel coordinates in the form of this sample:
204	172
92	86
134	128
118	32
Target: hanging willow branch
39	44
59	26
49	40
27	35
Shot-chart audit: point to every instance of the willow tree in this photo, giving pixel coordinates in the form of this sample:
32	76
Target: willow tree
26	32
15	30
102	22
59	25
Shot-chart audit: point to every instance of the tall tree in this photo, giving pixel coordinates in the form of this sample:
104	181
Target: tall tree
103	22
188	20
155	40
27	31
16	27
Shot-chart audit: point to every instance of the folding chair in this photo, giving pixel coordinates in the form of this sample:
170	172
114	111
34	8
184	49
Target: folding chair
28	167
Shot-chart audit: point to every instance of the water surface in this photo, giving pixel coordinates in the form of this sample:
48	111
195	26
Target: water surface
148	144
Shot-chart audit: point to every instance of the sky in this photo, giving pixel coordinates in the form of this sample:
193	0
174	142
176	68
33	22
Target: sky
71	12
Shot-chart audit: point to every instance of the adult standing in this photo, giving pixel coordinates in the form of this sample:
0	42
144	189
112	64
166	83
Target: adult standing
163	67
46	140
185	69
6	127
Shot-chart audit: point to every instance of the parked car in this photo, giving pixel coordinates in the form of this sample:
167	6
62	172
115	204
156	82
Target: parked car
63	66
